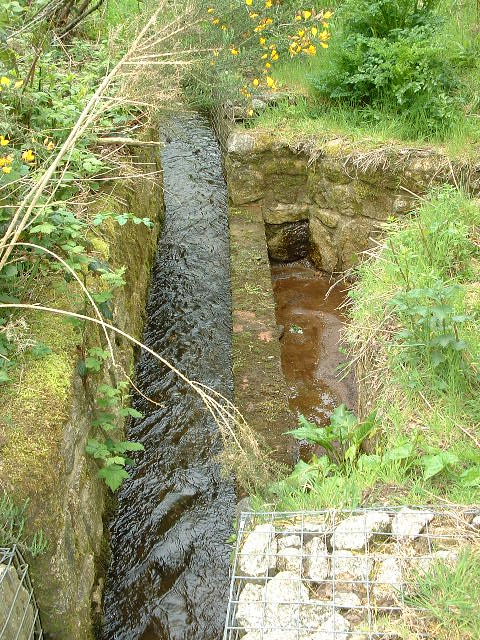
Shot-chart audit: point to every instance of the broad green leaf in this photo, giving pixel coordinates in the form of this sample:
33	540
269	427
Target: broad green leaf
402	452
113	475
471	477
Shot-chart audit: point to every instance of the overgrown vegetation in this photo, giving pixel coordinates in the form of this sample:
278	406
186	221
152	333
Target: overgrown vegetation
414	338
403	70
12	528
449	596
246	43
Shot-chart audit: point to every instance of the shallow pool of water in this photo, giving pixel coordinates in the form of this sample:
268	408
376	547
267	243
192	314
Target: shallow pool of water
310	316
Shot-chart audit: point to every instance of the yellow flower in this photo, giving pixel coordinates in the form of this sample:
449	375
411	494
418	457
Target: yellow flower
298	17
6	82
314	31
325	35
7	169
268	21
216	53
328	14
18	84
28	156
263	41
274	55
4	141
268	65
270	82
256	82
249	2
265	56
301	33
324	45
307	14
253	15
268	4
224	27
248	94
311	50
250	112
234	51
211	10
216	21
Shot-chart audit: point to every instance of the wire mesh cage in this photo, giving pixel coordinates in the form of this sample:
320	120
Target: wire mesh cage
19	617
341	574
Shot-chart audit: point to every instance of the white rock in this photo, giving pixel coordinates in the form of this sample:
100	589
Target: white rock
317	564
335	627
271	635
409	523
346	565
258	552
251	606
290	559
313	614
388	582
476	522
356	531
346	600
288	540
283	595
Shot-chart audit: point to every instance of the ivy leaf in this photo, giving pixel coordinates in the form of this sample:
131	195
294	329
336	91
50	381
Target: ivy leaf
113	475
41	350
402	452
93	364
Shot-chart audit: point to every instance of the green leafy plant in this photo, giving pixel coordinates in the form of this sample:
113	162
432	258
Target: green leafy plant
386	54
432	326
342	438
110	451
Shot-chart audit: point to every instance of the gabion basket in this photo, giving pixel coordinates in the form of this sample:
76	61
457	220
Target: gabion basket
341	574
19	617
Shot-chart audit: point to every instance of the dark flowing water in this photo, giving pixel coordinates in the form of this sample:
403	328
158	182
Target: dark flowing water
311	356
169	574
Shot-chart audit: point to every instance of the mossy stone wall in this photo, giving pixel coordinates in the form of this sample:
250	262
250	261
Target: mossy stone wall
328	199
47	416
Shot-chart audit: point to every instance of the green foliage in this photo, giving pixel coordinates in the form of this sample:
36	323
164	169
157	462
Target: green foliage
431	331
418	304
448	596
388	54
111	452
12	528
342	438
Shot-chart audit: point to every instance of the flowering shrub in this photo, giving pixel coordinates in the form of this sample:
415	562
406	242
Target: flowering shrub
246	44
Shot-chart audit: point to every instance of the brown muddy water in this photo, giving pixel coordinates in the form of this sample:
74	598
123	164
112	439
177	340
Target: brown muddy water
311	323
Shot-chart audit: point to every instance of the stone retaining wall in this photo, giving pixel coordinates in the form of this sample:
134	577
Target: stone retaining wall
326	200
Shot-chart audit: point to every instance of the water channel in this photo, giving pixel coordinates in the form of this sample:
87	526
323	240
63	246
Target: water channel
170	561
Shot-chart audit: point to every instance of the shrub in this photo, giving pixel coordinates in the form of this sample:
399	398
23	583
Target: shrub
388	54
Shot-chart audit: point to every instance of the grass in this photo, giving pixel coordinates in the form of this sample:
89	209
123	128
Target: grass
449	596
420	374
312	116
